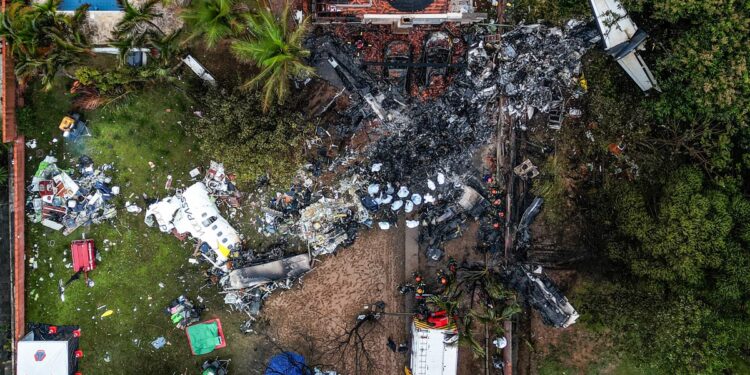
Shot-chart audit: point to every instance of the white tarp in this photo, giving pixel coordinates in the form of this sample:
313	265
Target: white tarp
43	358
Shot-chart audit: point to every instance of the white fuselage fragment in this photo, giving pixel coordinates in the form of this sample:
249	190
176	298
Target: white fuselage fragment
194	212
623	40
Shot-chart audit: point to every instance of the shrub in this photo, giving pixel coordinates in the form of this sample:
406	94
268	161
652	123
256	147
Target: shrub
251	143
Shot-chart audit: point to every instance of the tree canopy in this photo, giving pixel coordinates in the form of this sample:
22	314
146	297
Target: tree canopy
686	287
276	49
249	142
43	40
213	20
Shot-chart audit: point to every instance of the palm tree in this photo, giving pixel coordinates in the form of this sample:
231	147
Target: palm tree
138	30
277	50
212	19
167	45
42	40
138	20
497	304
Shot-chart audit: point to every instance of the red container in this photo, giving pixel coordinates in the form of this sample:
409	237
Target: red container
84	255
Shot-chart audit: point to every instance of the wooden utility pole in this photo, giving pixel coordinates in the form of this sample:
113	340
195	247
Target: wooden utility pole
508	325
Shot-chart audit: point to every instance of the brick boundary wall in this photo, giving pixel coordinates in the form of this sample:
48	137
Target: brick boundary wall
17	190
8	95
19	239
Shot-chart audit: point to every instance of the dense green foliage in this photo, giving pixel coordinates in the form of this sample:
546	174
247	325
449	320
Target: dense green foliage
213	20
689	233
42	40
248	141
677	240
276	48
702	57
679	290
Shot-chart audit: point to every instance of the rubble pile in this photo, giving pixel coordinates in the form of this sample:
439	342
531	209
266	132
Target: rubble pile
324	220
534	66
538	65
183	312
67	199
416	143
220	185
447	220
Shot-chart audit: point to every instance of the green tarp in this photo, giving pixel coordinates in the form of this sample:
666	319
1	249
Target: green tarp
204	337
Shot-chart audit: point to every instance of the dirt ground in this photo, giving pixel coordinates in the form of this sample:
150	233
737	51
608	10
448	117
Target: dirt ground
575	347
312	318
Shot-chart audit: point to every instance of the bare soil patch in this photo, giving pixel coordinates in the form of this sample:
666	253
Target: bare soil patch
334	293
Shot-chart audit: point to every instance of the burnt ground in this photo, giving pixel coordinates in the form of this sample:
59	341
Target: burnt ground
221	63
313	317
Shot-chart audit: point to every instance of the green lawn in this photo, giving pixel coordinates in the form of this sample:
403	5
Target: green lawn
135	258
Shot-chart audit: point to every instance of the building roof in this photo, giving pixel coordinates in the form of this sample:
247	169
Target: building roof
402	12
434	351
43	358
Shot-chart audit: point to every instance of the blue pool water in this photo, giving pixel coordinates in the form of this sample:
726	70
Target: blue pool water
95	4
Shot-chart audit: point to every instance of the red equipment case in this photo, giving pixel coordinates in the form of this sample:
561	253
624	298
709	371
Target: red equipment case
84	255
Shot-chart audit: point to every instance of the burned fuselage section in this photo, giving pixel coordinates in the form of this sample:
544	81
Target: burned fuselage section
542	294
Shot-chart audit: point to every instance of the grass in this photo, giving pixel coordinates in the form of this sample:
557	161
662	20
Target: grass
135	258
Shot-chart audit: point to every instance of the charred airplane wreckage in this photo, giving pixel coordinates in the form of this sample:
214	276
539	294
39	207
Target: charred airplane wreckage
542	294
419	158
245	276
193	212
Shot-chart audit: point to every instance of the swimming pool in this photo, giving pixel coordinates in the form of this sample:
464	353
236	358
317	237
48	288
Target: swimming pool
95	4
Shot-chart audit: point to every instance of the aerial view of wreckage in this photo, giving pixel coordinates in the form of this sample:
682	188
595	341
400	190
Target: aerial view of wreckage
420	187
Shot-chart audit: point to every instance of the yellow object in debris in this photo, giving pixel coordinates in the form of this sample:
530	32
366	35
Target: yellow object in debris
67	123
224	250
407	371
584	84
107	313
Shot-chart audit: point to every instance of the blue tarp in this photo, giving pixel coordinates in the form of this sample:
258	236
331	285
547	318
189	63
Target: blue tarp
287	363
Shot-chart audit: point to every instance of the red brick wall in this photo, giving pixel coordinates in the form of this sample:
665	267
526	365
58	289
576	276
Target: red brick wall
10	134
19	243
8	93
